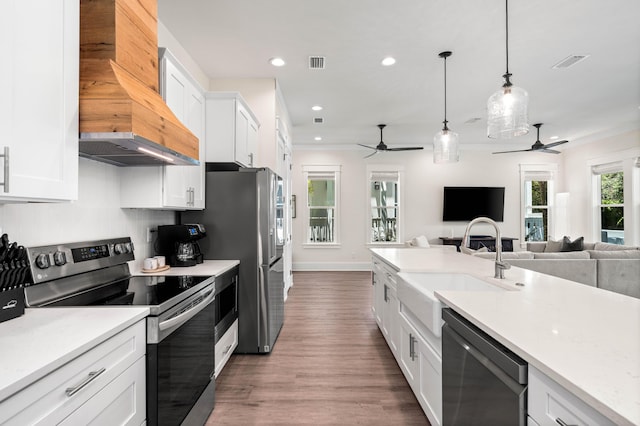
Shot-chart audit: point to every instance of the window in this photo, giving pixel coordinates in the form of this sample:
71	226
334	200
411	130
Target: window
322	204
609	189
537	200
384	208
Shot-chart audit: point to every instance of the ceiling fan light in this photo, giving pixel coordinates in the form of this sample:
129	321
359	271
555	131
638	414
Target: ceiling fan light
446	147
507	113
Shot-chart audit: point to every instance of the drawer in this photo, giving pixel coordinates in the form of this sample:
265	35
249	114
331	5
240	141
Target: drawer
121	402
549	402
225	347
47	401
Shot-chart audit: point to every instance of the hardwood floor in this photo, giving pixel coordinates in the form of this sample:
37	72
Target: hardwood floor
329	366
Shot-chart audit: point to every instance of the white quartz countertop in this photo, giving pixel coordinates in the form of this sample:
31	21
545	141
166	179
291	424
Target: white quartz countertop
206	268
44	339
584	338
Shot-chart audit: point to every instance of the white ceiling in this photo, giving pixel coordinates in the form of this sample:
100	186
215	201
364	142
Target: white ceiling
597	97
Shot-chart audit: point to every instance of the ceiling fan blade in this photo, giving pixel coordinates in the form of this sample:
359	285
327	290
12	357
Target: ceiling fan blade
517	150
370	147
372	154
552	144
412	148
548	151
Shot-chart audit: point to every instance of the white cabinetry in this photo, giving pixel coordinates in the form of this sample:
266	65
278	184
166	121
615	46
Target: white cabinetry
550	404
231	130
385	305
172	187
416	349
39	78
105	385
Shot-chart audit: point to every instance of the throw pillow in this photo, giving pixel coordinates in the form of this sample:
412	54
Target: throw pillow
553	246
575	245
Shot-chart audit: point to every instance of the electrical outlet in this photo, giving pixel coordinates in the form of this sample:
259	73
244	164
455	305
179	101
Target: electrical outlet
148	234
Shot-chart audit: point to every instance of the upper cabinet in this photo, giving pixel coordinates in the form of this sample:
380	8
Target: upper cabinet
39	77
231	130
171	187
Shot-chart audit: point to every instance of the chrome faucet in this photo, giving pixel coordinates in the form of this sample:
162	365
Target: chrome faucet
500	265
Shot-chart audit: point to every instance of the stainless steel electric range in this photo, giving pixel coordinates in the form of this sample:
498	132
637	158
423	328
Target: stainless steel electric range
180	339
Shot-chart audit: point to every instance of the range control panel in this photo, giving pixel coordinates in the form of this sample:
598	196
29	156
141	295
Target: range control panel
62	260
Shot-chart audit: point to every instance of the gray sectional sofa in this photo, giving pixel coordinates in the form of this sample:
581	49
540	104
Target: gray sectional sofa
608	266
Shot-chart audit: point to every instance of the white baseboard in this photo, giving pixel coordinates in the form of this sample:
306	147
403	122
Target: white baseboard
331	266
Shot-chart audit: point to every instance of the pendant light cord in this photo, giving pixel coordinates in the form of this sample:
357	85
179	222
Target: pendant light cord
506	13
445	93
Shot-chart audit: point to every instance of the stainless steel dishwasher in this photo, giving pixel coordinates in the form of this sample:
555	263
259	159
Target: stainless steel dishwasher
483	382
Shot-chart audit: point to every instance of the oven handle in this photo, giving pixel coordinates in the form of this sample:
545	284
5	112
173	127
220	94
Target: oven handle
187	315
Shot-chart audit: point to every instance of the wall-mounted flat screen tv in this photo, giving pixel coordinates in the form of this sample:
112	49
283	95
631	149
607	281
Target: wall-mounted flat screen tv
465	203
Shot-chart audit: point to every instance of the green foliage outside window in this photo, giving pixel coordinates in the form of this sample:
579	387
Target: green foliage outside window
612	193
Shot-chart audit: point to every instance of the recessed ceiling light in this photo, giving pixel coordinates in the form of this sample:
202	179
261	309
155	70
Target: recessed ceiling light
316	108
317	138
388	61
277	62
554	137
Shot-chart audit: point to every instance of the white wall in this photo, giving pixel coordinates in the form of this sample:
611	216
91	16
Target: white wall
578	184
424	182
95	215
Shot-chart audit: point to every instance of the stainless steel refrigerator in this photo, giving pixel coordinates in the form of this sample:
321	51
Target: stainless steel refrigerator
243	218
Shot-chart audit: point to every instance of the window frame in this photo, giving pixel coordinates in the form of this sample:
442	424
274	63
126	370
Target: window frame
630	160
596	186
372	170
532	173
310	171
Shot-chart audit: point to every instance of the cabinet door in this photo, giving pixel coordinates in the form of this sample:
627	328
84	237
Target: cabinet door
390	318
429	391
378	296
195	175
408	350
252	143
39	102
184	100
242	154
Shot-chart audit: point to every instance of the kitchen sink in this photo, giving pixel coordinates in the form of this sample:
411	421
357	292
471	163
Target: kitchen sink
416	291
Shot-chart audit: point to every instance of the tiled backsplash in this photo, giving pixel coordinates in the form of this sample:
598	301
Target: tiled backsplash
95	215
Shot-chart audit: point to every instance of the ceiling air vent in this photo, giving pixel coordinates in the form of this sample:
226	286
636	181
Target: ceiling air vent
569	61
318	120
316	62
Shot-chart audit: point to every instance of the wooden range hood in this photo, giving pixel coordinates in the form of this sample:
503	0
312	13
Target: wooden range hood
123	119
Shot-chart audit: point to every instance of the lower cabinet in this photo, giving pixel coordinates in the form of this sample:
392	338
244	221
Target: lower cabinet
421	364
548	403
105	385
416	349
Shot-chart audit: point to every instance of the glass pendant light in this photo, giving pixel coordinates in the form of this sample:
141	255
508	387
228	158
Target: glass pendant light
445	142
507	109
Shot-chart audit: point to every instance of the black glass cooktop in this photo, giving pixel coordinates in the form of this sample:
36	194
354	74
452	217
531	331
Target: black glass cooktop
139	291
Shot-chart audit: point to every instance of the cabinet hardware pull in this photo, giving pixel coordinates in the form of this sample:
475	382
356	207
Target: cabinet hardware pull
251	159
411	350
386	299
5	155
226	350
562	423
90	378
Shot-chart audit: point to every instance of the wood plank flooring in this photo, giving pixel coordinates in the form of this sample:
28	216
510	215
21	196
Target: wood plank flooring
329	366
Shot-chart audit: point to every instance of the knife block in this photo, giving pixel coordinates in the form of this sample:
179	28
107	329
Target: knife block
11	303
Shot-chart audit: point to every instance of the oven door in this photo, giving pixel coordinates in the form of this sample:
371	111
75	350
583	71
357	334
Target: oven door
180	362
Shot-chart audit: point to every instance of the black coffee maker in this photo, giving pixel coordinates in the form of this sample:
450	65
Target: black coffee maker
179	244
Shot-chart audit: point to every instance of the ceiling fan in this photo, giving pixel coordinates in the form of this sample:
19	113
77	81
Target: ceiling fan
538	146
383	147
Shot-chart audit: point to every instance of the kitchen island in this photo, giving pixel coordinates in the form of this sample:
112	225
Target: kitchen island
584	338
